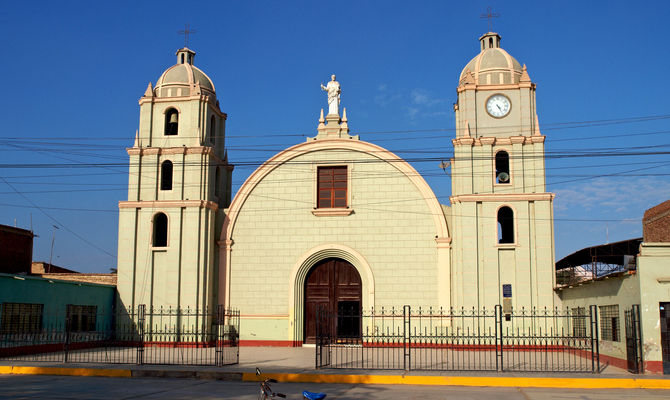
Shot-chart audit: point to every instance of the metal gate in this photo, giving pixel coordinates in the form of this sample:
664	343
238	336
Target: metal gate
634	340
547	340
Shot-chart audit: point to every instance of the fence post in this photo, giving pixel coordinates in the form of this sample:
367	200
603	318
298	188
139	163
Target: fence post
499	338
219	336
66	344
316	339
141	315
595	350
407	326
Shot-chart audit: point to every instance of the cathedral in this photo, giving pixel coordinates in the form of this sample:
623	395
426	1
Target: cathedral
336	222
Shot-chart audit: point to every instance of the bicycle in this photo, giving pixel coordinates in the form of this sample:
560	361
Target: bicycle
268	393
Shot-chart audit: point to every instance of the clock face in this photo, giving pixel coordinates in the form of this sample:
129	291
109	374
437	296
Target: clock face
498	105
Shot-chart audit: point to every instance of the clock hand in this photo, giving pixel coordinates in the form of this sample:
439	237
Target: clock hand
498	105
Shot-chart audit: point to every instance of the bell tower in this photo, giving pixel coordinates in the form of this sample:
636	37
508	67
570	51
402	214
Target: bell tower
178	185
503	234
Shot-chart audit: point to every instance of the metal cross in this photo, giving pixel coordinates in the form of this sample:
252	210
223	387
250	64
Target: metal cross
490	15
186	31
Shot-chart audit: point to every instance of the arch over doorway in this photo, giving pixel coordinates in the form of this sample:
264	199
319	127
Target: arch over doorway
302	268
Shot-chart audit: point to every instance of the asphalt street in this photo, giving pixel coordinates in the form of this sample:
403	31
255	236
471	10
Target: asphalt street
63	387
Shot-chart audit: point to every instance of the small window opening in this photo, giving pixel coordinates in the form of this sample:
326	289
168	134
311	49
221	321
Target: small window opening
502	167
160	230
166	175
490	43
171	122
182	58
212	130
505	225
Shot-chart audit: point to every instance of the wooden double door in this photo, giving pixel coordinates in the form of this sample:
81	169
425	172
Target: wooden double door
333	286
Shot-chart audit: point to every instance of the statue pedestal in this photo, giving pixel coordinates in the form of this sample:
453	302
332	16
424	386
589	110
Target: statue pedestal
333	127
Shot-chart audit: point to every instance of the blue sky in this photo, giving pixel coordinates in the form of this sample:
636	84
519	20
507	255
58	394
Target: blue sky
73	73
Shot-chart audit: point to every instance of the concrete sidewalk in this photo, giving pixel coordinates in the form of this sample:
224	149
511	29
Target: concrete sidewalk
297	365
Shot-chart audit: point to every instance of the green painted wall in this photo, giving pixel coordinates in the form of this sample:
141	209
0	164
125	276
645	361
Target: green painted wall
56	295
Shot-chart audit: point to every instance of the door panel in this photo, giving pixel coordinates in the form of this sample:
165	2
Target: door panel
329	283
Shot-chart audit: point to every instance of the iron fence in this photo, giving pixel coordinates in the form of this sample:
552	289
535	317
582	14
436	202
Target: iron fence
459	340
130	336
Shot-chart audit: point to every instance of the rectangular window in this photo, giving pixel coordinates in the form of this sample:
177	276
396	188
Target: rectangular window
609	323
81	318
21	317
332	187
579	322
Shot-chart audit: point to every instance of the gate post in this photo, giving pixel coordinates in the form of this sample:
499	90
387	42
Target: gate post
66	344
595	350
406	328
638	337
499	338
218	335
141	314
317	341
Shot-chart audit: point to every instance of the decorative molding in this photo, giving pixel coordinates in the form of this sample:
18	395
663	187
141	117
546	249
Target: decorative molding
463	198
335	144
332	212
169	204
487	140
153	151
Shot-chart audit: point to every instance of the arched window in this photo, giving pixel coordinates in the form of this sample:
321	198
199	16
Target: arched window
502	167
505	225
160	235
166	175
217	182
171	122
212	129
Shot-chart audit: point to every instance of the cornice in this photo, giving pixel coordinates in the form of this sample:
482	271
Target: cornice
490	141
510	86
499	197
169	204
155	151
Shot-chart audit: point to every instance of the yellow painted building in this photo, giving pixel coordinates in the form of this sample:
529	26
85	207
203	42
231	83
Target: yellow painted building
336	221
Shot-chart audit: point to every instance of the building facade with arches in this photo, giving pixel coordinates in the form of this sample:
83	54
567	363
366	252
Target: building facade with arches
336	222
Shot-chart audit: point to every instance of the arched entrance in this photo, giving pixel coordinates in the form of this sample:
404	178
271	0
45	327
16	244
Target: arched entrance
333	285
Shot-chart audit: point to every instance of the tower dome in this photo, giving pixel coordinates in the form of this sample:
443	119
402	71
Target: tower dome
493	65
183	78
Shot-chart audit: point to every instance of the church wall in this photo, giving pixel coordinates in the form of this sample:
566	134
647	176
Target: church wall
179	275
391	227
481	265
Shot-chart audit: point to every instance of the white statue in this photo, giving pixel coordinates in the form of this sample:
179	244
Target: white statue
333	89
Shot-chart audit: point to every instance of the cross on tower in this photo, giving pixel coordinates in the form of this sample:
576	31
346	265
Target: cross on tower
186	31
490	15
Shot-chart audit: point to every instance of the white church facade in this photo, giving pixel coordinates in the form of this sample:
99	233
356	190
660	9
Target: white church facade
336	222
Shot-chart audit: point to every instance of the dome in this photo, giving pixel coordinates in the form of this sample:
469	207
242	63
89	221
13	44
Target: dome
493	65
179	79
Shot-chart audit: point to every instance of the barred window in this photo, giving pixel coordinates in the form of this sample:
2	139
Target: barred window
21	317
81	318
609	323
579	322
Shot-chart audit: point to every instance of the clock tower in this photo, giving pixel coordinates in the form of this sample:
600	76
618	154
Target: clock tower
503	234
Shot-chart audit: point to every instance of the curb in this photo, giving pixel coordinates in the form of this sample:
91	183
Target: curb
481	381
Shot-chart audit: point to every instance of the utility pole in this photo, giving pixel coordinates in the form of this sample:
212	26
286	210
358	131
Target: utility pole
53	239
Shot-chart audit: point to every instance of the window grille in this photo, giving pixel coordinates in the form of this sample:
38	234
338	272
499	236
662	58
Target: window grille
609	323
579	322
81	318
21	317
